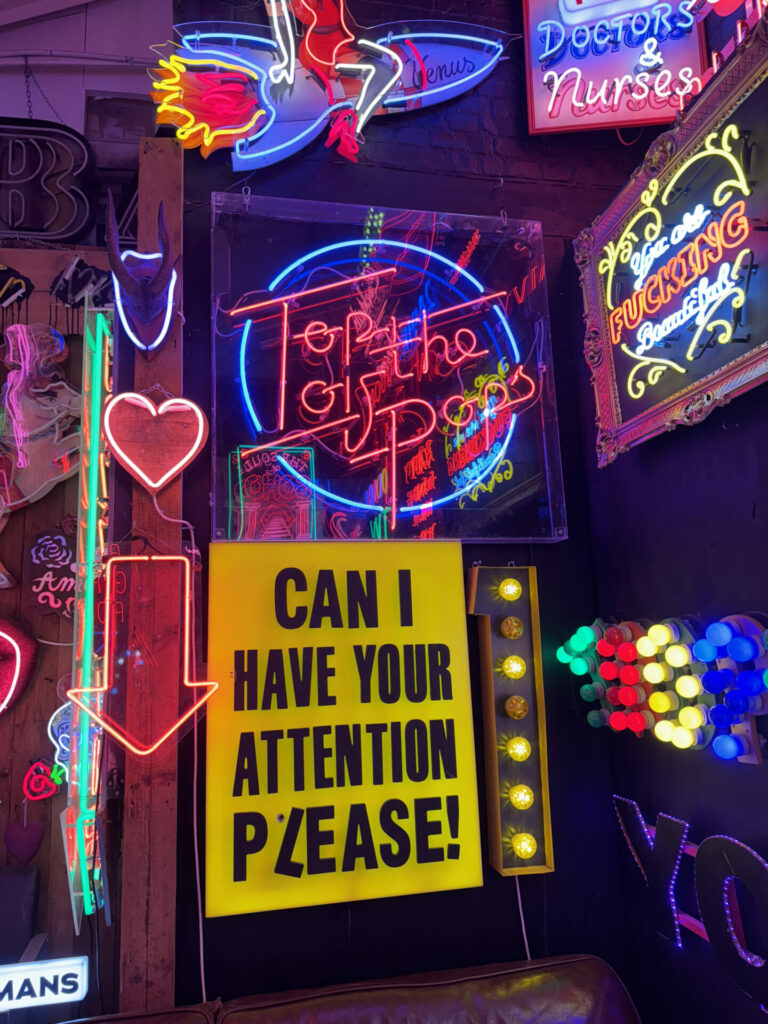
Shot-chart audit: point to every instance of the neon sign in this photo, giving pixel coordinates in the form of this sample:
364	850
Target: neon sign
671	273
412	383
686	685
268	96
43	982
608	63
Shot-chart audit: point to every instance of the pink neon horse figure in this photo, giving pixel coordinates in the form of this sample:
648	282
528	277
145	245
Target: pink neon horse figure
40	438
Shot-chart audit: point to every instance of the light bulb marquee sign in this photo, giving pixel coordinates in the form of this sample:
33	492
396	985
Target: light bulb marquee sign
418	384
607	63
266	93
672	271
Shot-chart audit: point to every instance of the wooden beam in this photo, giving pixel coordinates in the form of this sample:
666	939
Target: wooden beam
148	888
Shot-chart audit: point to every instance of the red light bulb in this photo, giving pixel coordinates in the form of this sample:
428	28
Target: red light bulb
605	649
612	695
627	696
615	635
636	721
627	652
618	721
629	675
609	671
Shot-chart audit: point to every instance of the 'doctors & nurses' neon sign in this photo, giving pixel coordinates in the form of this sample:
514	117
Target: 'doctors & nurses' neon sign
671	271
607	63
416	387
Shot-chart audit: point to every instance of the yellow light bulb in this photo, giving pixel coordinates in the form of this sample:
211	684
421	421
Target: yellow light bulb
514	667
663	731
518	748
512	627
520	797
646	648
677	655
524	845
688	686
510	589
661	635
654	672
692	718
683	738
659	702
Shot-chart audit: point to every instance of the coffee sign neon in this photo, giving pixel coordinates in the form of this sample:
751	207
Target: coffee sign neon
671	272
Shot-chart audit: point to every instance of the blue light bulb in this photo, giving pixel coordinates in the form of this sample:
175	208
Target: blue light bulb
704	650
716	680
737	702
727	747
720	716
719	633
751	683
742	648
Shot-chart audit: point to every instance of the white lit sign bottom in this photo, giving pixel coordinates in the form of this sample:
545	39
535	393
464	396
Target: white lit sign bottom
40	982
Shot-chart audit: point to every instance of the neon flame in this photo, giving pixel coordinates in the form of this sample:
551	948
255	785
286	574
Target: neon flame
16	670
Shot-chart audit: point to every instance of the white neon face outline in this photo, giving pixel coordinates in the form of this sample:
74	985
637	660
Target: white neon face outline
17	672
168	306
134	398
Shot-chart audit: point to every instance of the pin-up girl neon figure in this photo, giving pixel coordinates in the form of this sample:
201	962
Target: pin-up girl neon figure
331	47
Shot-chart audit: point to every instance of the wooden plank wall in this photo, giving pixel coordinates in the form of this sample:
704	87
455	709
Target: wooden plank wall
23	736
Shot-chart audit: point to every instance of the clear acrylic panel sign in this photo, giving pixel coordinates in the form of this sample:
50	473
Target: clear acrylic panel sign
380	373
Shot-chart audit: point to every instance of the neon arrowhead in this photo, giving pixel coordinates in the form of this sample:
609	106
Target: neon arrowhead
201	689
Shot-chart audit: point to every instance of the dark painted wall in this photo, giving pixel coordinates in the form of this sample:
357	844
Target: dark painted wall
447	158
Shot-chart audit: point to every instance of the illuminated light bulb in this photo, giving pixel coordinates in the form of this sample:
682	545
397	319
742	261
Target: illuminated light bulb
609	671
596	719
646	648
516	706
631	695
663	701
688	686
521	797
693	717
743	648
717	680
728	747
585	637
663	730
639	721
512	627
627	652
605	649
563	656
683	738
582	666
514	667
588	692
704	650
721	717
629	675
677	655
612	695
524	845
518	748
615	634
663	633
510	589
719	633
656	672
739	703
618	721
751	683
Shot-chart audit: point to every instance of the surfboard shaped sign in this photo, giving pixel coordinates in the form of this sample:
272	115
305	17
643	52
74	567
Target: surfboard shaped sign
266	93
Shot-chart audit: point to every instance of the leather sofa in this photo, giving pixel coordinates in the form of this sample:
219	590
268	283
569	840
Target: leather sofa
559	990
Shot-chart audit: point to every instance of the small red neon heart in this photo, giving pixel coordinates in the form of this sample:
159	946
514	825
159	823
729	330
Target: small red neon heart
154	443
18	653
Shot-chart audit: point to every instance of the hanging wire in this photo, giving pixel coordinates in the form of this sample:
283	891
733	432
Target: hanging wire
522	919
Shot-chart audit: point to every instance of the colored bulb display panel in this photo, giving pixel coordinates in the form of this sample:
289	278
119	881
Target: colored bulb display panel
514	723
688	704
671	271
369	381
608	63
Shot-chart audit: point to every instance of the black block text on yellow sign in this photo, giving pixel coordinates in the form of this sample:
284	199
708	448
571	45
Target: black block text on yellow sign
340	759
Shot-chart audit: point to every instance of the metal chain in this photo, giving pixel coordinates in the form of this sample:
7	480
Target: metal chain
27	74
39	88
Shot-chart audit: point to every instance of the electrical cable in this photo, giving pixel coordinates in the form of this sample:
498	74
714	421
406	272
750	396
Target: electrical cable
522	919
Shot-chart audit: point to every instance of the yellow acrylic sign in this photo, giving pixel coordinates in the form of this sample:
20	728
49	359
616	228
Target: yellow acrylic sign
341	761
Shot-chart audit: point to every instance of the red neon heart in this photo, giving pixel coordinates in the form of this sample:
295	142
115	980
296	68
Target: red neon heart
23	841
18	652
154	443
